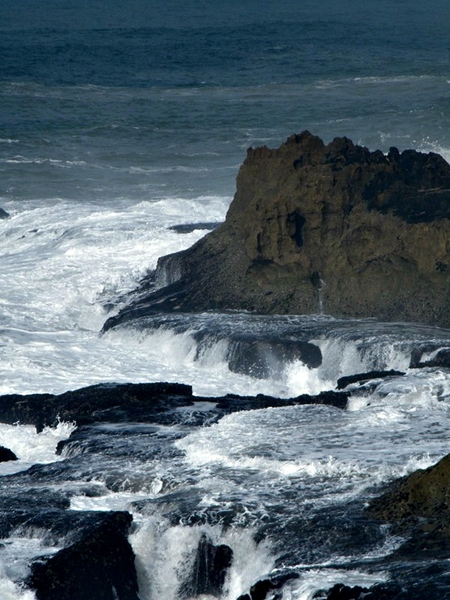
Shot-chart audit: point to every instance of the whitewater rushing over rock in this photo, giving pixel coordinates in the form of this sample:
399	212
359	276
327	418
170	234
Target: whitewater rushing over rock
230	496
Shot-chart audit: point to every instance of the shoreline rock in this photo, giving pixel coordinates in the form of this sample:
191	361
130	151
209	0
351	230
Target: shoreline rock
314	227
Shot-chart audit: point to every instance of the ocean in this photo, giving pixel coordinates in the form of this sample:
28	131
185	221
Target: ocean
119	121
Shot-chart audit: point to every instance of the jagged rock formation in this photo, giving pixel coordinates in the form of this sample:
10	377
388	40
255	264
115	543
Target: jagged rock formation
317	227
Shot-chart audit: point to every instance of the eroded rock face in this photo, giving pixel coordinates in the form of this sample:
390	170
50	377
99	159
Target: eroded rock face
314	227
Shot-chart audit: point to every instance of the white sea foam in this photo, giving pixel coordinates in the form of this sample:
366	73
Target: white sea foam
31	447
16	553
9	590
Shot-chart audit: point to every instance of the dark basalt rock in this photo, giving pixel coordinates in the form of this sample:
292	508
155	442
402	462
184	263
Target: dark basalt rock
440	359
190	227
99	566
96	403
313	226
231	403
268	587
362	378
345	592
209	570
6	454
4	214
140	402
424	494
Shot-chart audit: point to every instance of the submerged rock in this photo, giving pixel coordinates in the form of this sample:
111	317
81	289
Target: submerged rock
4	214
315	227
190	227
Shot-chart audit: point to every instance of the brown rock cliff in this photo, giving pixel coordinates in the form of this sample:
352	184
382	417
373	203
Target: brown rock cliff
333	228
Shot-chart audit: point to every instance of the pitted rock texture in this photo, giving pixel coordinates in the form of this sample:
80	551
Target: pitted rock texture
321	228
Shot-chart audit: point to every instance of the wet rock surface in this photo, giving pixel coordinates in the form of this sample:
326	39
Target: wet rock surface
268	588
424	494
345	592
99	565
119	423
209	570
190	227
314	227
149	402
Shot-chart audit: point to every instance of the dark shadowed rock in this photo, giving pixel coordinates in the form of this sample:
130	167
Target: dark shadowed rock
96	403
209	570
268	587
4	214
265	358
6	454
314	226
190	227
377	592
231	403
149	402
100	566
439	358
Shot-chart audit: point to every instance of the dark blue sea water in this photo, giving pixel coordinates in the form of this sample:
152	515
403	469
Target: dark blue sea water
190	85
121	119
